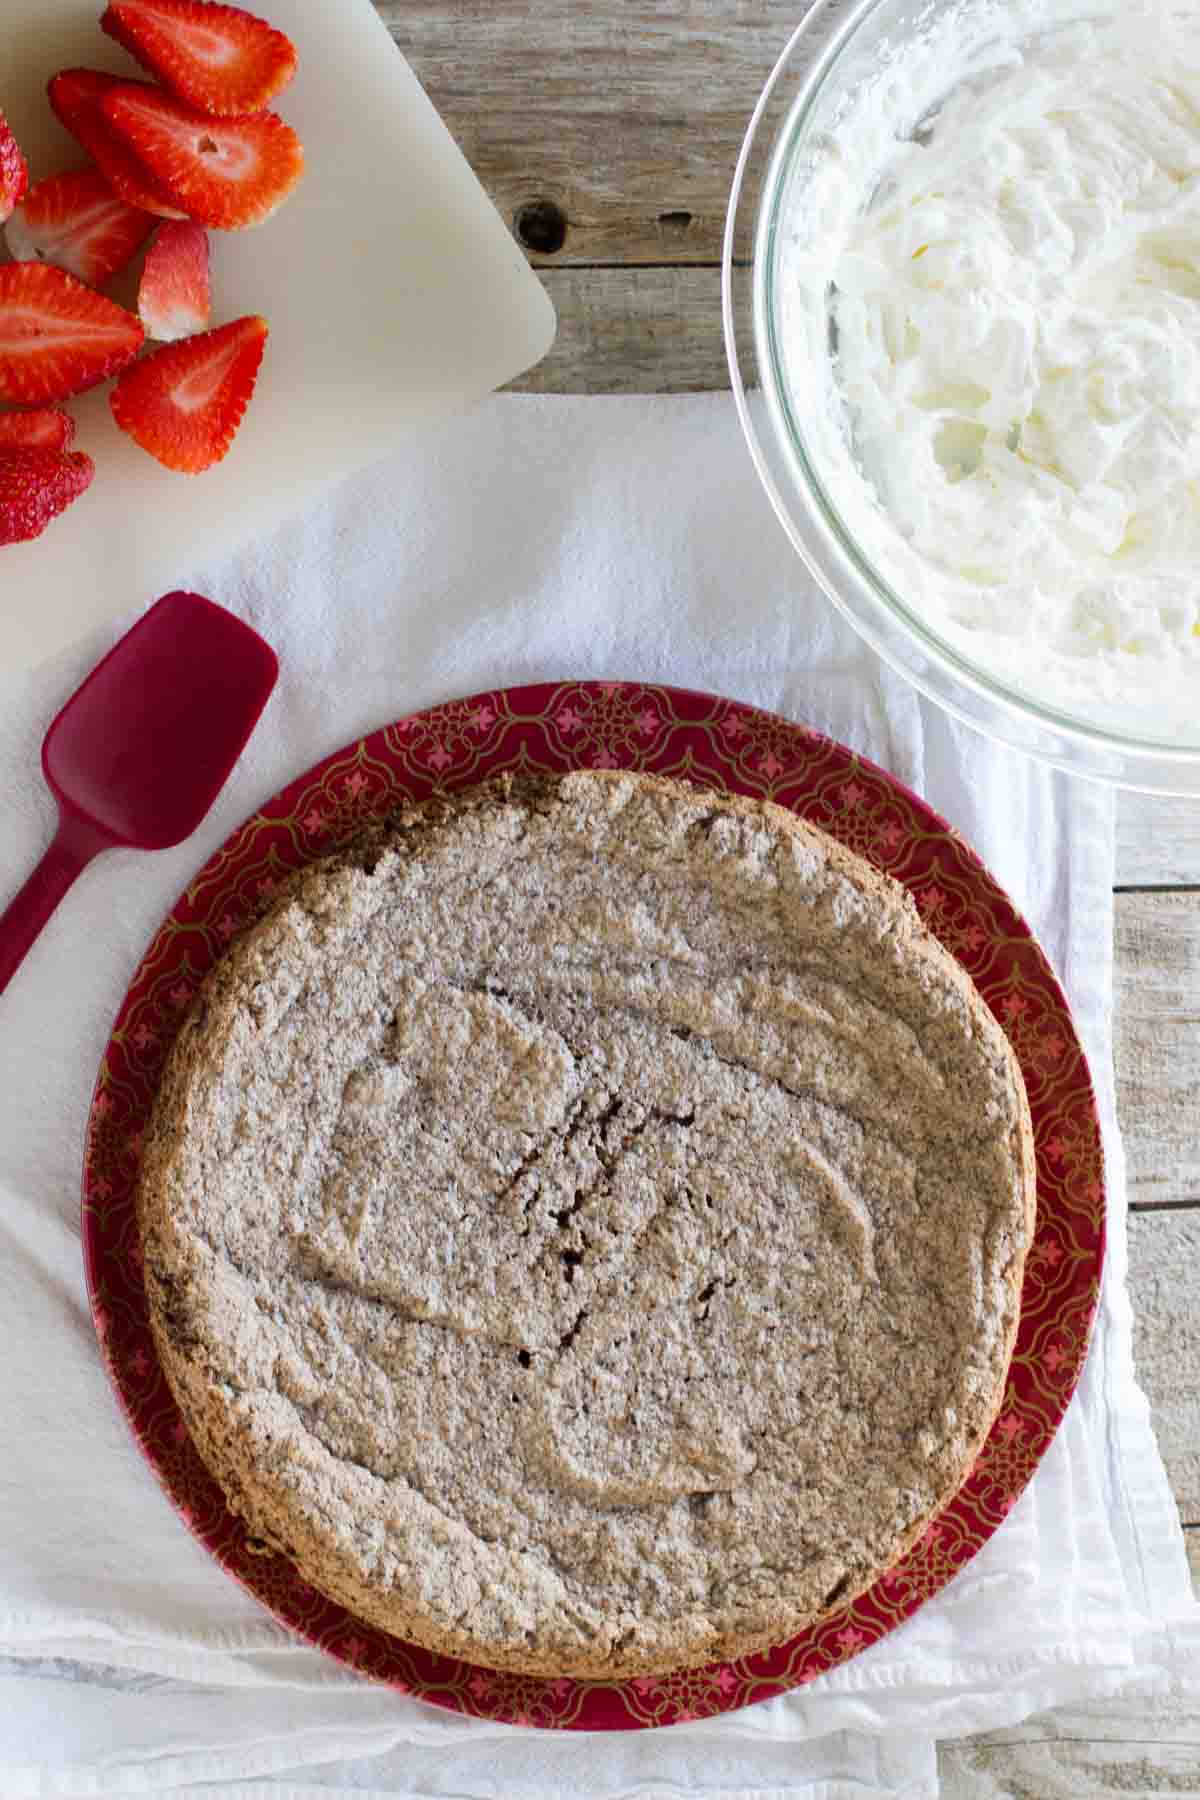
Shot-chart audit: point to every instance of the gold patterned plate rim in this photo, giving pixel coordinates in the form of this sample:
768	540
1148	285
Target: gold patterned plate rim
718	744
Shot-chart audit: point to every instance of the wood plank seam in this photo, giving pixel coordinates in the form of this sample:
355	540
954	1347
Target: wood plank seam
547	265
1157	887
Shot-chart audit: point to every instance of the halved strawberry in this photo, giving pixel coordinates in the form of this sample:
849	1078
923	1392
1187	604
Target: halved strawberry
14	170
75	96
77	222
226	173
218	58
45	429
175	295
184	403
35	486
57	337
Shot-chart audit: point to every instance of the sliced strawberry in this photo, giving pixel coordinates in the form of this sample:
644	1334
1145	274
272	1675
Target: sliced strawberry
75	97
218	59
46	429
14	170
226	173
35	486
175	295
57	337
78	223
184	403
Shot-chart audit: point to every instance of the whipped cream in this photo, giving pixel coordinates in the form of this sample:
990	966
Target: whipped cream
1003	229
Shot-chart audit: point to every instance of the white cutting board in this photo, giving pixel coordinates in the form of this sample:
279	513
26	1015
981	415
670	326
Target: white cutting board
394	292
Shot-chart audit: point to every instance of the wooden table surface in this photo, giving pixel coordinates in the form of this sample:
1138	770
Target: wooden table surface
606	132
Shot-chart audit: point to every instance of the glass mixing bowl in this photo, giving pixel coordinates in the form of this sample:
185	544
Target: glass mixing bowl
794	124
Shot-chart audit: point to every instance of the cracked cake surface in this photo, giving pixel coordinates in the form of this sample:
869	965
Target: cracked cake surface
583	1224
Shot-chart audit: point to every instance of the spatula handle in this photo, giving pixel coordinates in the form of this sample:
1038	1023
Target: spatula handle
72	849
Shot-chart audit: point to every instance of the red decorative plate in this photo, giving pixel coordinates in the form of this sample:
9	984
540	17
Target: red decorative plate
717	744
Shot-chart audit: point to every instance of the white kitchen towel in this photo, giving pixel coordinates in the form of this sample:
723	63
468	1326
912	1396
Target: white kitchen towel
538	539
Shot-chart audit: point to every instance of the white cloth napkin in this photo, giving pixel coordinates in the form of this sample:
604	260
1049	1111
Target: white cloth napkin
539	539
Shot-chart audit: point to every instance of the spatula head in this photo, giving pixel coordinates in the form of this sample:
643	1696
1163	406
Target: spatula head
143	748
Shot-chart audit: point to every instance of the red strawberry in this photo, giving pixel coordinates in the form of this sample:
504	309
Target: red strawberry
46	429
175	296
226	173
218	58
57	337
78	223
184	403
75	97
14	170
35	486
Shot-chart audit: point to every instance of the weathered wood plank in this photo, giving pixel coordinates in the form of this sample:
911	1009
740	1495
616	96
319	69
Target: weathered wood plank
626	117
1164	1256
1158	841
1157	1043
633	331
1062	1767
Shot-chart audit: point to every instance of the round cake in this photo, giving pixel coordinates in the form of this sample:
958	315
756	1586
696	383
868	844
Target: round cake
584	1223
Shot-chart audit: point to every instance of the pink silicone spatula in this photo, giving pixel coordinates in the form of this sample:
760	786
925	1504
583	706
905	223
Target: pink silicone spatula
140	752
